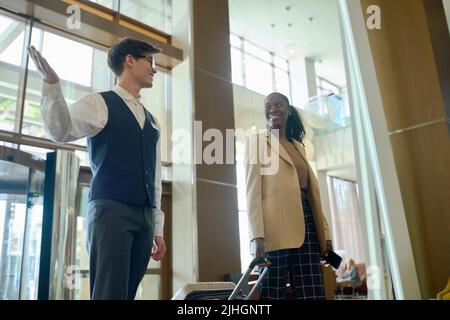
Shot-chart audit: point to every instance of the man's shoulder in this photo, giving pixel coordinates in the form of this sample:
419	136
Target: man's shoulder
93	99
101	93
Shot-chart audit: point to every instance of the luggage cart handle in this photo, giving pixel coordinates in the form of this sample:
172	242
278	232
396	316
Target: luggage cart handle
244	278
255	286
257	261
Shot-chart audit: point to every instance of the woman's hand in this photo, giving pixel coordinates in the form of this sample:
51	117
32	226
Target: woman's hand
260	248
261	251
329	245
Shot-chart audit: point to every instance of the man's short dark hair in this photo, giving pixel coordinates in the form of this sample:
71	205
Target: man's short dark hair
118	52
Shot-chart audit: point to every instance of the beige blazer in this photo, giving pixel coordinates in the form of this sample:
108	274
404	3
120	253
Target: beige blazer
274	203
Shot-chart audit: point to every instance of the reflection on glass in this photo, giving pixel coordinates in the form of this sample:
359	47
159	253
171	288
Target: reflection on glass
82	69
21	209
155	13
11	50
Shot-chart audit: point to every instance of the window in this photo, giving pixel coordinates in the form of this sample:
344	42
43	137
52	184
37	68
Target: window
82	70
281	63
325	86
12	35
235	41
258	69
37	152
258	75
337	97
84	158
110	4
237	71
155	13
257	52
281	81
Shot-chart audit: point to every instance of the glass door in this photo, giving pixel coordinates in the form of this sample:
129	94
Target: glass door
32	235
21	209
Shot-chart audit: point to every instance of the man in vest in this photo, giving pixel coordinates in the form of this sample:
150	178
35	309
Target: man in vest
125	221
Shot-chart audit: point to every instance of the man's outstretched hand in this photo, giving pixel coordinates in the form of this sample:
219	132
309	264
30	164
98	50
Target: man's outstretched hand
42	65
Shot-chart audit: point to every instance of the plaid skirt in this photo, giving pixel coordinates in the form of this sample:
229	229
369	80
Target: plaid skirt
302	264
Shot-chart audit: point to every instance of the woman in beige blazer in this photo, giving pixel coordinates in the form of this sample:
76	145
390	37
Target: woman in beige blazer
285	217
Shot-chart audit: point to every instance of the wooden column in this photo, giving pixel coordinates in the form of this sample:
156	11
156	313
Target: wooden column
411	59
216	190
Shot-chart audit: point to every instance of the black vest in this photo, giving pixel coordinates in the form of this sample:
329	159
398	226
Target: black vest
123	156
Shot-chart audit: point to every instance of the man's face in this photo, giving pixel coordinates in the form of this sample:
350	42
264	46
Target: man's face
143	69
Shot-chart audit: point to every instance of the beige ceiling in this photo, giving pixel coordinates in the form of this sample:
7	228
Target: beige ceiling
318	39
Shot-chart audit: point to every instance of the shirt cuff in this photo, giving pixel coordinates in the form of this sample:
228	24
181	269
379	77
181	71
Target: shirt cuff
158	232
52	89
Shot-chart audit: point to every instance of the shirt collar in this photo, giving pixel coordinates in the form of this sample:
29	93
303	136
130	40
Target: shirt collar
125	95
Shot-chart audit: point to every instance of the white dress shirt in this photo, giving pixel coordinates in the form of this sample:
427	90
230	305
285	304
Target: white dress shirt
86	118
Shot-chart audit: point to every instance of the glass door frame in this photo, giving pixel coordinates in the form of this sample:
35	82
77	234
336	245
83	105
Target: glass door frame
22	158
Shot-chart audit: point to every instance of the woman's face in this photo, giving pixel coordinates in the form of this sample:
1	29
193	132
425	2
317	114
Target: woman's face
276	111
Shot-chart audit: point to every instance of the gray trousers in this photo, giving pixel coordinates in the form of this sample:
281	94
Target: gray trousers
120	239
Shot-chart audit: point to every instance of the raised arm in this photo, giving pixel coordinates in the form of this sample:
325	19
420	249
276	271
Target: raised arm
42	65
86	117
